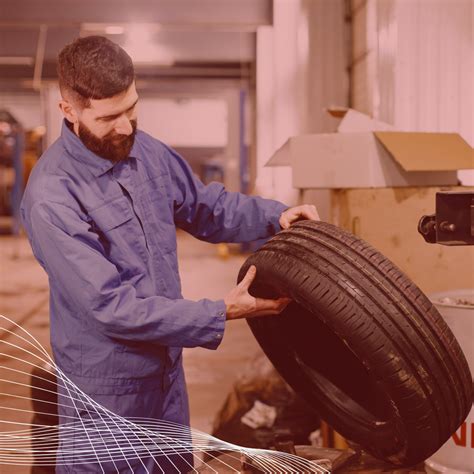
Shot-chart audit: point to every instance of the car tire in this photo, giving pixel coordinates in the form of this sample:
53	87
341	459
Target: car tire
360	342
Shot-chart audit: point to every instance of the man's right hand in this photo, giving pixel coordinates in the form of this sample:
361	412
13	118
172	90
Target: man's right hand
241	304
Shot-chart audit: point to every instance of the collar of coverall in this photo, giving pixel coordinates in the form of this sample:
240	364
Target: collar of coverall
97	165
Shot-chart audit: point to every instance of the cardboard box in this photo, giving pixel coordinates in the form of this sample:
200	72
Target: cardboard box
365	153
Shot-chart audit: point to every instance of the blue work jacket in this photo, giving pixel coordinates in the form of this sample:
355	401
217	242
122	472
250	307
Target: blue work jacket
106	235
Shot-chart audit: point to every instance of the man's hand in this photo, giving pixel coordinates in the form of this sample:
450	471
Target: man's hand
241	304
293	214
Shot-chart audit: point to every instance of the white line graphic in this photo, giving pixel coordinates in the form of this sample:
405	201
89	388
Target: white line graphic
94	434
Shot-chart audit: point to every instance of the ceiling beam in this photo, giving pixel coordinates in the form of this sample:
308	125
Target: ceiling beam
222	14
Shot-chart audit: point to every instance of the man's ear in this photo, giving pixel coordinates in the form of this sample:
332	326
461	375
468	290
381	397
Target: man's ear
68	111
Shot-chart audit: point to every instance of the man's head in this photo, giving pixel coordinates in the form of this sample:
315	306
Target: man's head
97	83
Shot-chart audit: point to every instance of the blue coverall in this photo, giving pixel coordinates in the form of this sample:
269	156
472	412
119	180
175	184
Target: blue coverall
106	235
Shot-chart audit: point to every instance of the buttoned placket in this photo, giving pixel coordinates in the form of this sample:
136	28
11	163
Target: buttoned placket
122	173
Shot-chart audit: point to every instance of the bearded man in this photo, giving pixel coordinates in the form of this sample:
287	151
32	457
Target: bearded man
101	210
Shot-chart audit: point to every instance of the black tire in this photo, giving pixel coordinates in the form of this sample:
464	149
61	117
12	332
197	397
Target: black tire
360	342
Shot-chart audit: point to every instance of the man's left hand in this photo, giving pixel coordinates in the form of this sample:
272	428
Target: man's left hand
297	213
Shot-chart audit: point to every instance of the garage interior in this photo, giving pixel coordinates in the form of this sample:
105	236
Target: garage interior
235	86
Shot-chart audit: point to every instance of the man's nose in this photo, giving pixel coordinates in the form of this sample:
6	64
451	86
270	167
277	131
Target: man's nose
123	126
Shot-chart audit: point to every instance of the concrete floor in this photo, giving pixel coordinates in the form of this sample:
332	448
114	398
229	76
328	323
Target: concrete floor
210	374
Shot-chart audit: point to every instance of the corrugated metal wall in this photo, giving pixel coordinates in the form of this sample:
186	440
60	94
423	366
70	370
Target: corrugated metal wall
433	81
412	64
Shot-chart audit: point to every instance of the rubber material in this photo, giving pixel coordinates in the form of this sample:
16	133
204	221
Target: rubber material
360	342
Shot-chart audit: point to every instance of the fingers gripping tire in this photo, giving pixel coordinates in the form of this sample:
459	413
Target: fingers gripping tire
360	342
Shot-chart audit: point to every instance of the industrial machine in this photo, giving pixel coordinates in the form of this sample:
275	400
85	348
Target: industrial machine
453	221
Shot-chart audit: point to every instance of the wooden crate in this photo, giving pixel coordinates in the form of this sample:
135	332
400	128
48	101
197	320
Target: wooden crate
387	218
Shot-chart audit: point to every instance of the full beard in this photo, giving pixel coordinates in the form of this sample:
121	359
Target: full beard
112	147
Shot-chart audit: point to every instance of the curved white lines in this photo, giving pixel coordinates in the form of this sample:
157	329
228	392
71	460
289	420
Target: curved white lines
94	434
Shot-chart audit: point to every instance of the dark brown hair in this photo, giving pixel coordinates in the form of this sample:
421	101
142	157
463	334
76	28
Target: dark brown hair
94	67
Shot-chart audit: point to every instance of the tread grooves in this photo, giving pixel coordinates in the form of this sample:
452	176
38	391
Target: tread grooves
372	298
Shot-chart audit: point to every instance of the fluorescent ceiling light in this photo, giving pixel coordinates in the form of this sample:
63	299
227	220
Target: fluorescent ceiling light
114	30
140	41
16	60
103	28
143	46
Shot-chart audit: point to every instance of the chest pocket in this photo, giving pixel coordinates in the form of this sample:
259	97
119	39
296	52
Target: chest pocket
161	220
121	235
113	214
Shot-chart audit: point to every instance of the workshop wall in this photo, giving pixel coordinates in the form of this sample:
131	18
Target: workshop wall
301	70
412	65
25	107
